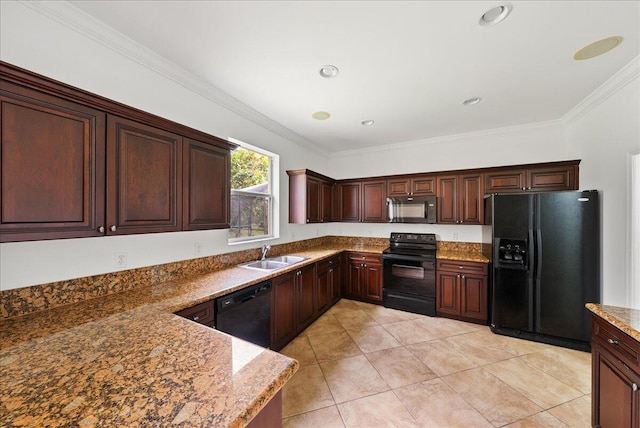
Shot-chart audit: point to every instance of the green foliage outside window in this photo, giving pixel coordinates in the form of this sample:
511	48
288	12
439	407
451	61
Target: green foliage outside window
248	168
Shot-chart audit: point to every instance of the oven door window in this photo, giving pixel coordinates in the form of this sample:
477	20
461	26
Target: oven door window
402	271
410	276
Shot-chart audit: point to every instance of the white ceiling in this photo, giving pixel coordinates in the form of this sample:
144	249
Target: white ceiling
406	65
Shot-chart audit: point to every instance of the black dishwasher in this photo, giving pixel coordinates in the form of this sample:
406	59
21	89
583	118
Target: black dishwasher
246	313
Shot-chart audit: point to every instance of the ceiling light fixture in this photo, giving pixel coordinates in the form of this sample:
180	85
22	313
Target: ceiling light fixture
367	122
329	71
496	14
321	115
597	48
472	101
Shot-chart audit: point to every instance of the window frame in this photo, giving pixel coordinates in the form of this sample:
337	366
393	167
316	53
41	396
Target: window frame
273	196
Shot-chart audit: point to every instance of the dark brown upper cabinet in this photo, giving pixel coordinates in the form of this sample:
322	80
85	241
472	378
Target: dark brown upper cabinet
422	185
75	165
52	167
144	170
363	201
533	178
310	197
460	199
206	189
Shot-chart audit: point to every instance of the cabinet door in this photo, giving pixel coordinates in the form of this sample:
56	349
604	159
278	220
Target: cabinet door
474	297
617	399
144	173
350	202
52	167
471	203
546	179
324	287
205	186
448	199
306	296
374	202
398	187
354	287
335	279
423	186
313	200
505	181
326	201
447	298
373	281
283	310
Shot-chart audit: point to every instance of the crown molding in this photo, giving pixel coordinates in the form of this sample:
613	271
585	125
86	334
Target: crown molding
622	78
453	137
94	29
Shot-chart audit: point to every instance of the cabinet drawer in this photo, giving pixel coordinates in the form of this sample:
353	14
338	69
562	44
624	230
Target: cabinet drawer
616	342
466	267
329	263
365	257
202	313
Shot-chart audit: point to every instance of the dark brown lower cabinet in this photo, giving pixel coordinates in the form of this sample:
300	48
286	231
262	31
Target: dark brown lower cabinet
462	290
616	379
328	286
293	304
364	277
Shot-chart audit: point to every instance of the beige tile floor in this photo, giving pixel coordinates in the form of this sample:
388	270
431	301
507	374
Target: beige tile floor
365	365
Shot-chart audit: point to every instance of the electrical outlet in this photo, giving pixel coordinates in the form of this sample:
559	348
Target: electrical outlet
198	248
455	236
121	259
293	235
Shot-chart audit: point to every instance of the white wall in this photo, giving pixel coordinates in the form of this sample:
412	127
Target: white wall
605	134
40	43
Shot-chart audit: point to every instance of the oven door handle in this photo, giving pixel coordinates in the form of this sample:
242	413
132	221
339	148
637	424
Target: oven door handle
408	258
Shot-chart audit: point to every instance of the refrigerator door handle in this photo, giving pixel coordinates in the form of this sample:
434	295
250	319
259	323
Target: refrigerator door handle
538	274
531	276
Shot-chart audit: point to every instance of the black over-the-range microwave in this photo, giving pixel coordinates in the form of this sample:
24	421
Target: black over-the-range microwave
411	209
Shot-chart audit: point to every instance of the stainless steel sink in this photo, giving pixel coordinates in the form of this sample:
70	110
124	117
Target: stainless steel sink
273	263
289	260
265	265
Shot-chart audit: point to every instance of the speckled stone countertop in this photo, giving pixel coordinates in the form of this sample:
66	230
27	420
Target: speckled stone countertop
126	360
627	320
461	256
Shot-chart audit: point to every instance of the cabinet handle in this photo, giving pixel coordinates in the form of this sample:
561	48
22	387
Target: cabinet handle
461	267
299	272
101	229
529	188
330	270
462	276
613	341
634	387
196	318
113	228
307	220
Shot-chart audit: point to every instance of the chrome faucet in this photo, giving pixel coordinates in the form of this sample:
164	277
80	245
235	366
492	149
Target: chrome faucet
265	248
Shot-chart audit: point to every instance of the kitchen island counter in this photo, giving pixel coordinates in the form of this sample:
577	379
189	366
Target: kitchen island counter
625	319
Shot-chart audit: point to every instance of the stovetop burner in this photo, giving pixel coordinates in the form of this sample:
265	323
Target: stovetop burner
412	244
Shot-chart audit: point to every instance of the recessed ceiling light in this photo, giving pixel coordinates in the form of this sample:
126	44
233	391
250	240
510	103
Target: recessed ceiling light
368	122
597	48
496	14
472	101
329	71
321	115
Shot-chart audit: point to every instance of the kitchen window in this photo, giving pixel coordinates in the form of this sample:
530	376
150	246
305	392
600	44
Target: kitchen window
252	194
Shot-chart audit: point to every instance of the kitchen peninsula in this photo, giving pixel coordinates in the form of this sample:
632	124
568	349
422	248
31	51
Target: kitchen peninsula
126	358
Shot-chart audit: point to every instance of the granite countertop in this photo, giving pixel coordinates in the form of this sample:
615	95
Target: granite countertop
626	319
126	359
462	256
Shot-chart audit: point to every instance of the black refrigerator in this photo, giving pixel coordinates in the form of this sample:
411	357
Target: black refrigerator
546	265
